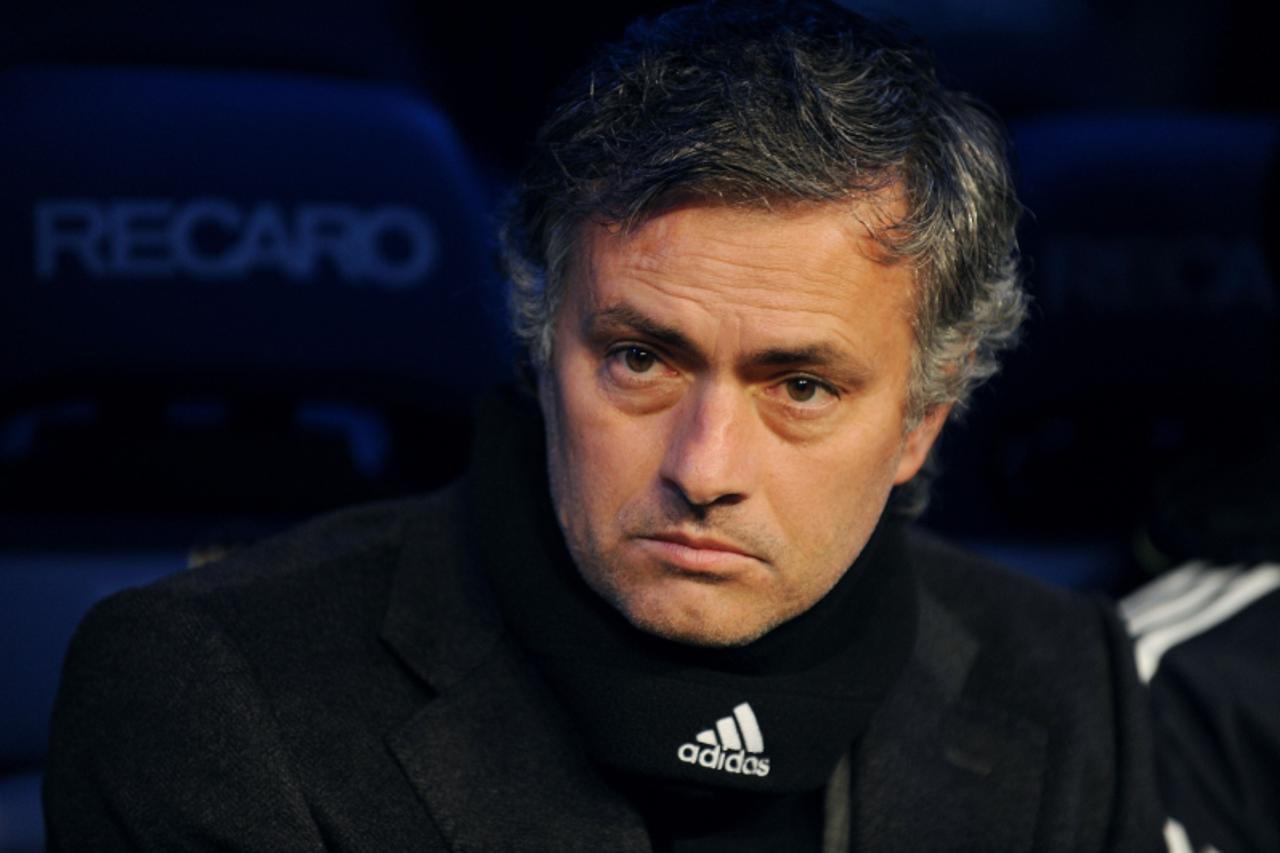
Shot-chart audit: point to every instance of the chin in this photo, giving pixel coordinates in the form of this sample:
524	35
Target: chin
682	610
719	630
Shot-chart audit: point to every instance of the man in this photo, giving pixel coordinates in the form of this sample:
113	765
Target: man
758	257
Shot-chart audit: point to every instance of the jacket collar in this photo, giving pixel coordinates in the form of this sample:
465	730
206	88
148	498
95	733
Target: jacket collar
489	754
442	620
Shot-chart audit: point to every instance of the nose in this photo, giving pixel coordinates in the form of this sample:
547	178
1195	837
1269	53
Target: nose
709	460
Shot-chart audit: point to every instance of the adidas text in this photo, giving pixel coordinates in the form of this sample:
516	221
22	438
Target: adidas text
730	761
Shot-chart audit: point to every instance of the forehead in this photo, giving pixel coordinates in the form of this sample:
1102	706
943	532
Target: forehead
762	276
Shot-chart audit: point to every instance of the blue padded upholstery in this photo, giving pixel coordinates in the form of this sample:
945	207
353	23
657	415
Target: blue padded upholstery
193	221
173	243
21	830
1152	334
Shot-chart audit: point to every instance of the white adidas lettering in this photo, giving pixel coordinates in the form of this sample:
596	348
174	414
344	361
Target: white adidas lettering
733	746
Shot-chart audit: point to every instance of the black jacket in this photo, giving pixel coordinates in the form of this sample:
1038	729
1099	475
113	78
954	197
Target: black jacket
349	686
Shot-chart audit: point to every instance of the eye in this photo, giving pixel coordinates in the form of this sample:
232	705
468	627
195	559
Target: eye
801	389
638	359
806	394
635	366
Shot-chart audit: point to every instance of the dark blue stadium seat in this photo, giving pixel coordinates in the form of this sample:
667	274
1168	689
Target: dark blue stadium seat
230	299
1154	336
195	221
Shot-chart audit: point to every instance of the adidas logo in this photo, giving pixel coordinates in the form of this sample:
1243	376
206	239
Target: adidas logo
733	746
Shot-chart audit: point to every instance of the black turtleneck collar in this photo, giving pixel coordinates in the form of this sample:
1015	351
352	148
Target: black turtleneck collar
641	701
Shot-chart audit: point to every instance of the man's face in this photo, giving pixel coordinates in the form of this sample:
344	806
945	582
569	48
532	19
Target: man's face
725	412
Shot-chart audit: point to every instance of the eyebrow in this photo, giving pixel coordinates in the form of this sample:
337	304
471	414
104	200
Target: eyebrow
798	356
616	318
842	366
838	365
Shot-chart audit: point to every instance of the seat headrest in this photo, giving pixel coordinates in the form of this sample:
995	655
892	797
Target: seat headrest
226	222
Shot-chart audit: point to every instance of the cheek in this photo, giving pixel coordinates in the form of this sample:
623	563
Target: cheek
833	506
598	454
583	434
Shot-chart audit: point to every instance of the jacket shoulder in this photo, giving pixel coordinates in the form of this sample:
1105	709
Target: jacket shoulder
333	540
1052	667
1007	609
1055	657
329	570
242	702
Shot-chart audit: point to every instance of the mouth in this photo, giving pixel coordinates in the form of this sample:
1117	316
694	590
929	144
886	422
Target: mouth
704	556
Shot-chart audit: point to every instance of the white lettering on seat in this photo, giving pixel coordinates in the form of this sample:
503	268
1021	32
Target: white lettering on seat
392	246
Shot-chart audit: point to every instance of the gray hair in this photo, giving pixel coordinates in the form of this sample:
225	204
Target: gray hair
765	104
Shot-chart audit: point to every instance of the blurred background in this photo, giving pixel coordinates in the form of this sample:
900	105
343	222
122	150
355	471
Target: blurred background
246	276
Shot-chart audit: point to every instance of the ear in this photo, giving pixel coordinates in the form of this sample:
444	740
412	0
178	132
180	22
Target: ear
916	444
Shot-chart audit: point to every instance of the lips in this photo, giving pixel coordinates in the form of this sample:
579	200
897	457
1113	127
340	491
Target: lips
696	554
702	543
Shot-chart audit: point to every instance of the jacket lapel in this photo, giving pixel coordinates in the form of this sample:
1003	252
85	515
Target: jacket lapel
935	765
490	755
499	769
